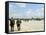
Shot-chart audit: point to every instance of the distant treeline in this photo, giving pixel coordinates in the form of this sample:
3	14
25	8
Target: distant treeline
28	19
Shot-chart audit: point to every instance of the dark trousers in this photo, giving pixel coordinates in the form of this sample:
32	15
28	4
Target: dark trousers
12	28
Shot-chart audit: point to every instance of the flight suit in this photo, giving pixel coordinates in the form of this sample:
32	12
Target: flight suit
18	24
12	23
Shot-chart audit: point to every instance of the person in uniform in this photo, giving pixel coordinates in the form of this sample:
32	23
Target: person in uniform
18	24
12	23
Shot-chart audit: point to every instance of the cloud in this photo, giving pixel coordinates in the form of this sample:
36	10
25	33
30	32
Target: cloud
14	15
35	13
30	13
21	4
40	12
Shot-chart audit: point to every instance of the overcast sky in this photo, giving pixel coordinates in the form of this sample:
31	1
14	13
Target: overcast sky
24	10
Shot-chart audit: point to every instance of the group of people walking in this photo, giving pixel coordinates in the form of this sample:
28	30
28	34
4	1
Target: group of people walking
12	23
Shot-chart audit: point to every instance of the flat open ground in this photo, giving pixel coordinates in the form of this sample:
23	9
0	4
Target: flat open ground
31	25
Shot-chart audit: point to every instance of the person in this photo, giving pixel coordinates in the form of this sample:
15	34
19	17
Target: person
12	23
18	24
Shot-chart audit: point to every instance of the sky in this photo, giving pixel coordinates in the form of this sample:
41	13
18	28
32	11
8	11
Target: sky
25	10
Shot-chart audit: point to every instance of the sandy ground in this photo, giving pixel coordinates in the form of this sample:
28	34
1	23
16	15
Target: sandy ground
32	25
